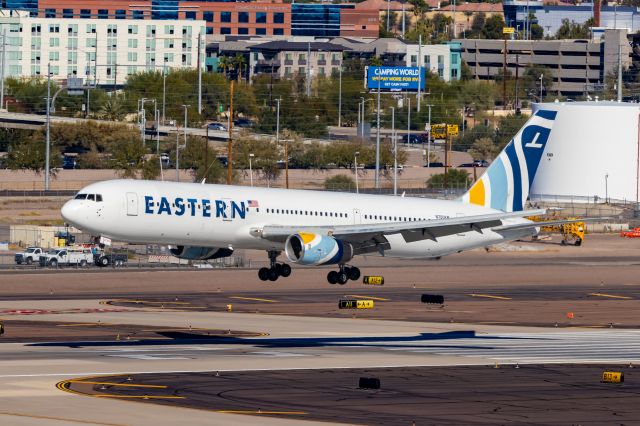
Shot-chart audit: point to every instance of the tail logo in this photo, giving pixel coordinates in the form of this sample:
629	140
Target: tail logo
505	185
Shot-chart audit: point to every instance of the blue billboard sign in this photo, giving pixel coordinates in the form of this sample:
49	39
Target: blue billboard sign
396	78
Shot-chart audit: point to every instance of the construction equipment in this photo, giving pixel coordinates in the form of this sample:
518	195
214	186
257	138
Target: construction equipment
633	233
572	233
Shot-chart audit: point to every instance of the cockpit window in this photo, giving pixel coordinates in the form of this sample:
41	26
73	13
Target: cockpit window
91	197
81	196
99	197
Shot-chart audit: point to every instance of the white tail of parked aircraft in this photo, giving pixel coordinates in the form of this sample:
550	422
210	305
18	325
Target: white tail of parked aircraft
313	227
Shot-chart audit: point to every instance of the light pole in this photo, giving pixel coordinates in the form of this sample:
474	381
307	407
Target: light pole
395	151
378	139
2	70
164	91
199	73
277	120
340	97
250	169
408	121
286	161
428	139
606	188
355	169
362	118
541	75
48	144
185	123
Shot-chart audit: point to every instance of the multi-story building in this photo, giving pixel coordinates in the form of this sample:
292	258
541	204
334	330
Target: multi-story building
577	66
102	51
261	18
442	60
285	58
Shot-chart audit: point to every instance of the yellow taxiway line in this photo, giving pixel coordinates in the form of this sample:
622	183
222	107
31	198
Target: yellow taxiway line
58	419
489	296
104	395
257	299
367	297
132	385
611	296
290	413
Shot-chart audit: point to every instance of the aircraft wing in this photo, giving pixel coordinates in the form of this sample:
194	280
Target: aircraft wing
370	237
518	226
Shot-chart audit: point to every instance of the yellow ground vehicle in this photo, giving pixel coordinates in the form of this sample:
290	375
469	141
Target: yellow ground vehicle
572	233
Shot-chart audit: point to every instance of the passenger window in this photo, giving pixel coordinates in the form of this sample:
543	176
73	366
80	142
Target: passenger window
99	198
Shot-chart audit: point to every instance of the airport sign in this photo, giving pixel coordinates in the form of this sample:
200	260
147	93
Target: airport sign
395	78
508	30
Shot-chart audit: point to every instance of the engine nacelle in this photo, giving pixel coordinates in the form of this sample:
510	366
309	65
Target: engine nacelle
200	253
314	249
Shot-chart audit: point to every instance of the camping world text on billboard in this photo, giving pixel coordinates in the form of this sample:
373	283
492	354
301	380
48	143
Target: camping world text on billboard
395	78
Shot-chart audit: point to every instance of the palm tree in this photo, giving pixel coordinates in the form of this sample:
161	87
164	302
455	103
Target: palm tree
225	63
238	62
112	110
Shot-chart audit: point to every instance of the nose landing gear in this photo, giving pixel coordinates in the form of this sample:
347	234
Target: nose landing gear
276	270
343	275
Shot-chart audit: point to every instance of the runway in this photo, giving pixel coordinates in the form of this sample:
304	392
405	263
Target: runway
287	348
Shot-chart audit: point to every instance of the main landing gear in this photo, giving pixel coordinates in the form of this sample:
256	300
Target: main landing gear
345	274
276	270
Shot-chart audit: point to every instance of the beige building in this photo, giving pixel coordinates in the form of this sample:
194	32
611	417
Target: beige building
285	58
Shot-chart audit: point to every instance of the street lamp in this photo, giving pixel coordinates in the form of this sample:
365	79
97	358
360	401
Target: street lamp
606	188
541	75
250	169
355	169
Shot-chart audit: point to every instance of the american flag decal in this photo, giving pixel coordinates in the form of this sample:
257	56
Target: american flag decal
253	203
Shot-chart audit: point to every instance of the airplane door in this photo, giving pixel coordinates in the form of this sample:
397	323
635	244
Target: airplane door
357	217
132	204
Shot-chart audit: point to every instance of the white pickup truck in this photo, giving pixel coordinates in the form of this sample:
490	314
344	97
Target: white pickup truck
66	257
29	256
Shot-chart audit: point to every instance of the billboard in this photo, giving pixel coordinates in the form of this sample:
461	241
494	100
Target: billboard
395	78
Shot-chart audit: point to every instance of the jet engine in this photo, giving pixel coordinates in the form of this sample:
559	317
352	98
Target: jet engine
200	253
314	249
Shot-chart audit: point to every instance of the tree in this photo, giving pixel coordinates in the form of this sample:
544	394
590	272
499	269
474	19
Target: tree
466	141
113	109
573	30
151	168
537	32
28	153
339	182
492	28
483	149
127	156
507	127
202	164
456	178
477	25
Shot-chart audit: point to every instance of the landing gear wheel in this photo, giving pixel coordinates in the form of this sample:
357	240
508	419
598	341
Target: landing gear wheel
273	274
285	270
354	273
263	274
342	277
333	277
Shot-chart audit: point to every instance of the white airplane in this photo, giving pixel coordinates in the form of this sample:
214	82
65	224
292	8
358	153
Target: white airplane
202	221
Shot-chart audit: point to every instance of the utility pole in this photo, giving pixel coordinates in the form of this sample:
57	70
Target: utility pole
403	21
206	155
157	117
230	142
408	121
277	121
355	169
419	72
395	151
199	73
164	91
177	153
2	70
47	146
362	118
517	66
378	139
185	123
86	112
308	69
429	139
504	75
340	96
619	71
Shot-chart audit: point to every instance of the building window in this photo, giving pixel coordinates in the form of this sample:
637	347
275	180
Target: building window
72	58
278	31
132	57
207	16
103	14
191	16
91	28
243	30
151	44
287	70
209	30
49	13
131	70
73	44
112	29
73	30
168	57
132	29
278	18
168	43
186	31
151	30
132	43
168	29
261	18
440	59
54	28
138	14
54	42
121	14
302	70
91	42
85	13
36	29
55	70
225	30
67	13
261	31
454	73
225	17
91	56
321	71
54	56
243	17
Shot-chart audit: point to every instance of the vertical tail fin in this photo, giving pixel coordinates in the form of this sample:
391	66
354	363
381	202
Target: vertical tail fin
505	185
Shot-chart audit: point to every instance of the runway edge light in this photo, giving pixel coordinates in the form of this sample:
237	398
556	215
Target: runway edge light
612	377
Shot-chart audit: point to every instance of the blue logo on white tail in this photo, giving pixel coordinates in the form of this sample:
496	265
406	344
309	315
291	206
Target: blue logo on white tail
505	185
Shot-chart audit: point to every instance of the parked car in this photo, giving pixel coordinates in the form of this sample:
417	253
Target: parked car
414	138
69	162
217	126
437	164
66	257
242	122
29	256
476	163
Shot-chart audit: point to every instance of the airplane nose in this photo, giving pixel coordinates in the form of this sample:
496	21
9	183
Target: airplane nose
70	212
